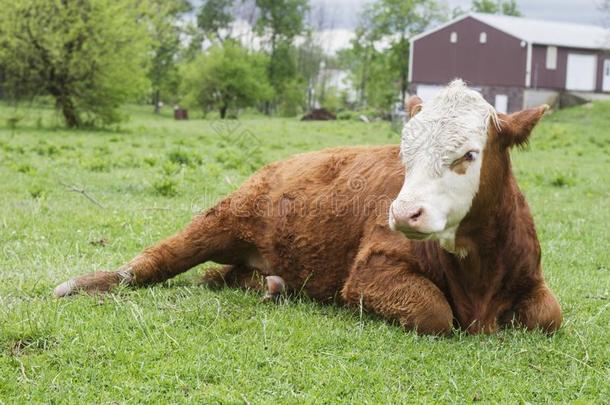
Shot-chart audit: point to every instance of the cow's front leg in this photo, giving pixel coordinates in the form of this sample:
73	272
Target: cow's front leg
389	289
539	310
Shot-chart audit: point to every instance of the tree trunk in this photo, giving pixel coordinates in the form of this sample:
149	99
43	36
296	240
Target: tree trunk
223	112
271	71
404	72
364	78
156	99
403	87
68	110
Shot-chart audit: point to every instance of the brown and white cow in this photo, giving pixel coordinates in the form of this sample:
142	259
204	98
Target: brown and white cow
432	234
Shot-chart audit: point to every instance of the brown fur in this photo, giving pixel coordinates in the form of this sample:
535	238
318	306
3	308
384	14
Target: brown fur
320	222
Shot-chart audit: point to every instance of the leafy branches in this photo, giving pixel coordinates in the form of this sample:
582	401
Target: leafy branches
506	7
89	55
226	78
379	56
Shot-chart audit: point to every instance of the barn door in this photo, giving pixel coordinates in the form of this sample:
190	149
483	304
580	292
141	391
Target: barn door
501	103
581	72
606	83
426	92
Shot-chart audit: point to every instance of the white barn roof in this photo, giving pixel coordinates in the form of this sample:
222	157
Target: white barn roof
549	32
541	32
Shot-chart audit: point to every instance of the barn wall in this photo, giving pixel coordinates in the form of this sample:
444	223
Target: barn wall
543	78
514	94
499	62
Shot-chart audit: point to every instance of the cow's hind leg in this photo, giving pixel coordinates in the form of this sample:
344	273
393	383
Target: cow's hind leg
234	276
248	278
209	237
386	287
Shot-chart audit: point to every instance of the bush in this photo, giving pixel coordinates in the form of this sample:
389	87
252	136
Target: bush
370	114
98	164
166	187
181	157
347	115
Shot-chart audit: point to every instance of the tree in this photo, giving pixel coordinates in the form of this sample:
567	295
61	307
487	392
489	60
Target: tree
485	6
510	7
455	12
214	19
280	21
506	7
395	21
89	55
165	34
314	55
310	59
371	72
226	78
357	59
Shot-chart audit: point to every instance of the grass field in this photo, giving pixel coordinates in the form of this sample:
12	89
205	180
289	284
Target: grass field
75	201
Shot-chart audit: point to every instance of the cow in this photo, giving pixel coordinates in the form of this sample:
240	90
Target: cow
433	234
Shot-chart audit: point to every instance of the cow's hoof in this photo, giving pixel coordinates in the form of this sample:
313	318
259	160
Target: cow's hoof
275	289
64	289
271	298
98	282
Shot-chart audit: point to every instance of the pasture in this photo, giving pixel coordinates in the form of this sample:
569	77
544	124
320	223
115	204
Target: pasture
73	201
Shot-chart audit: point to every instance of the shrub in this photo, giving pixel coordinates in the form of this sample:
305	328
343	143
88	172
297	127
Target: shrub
166	187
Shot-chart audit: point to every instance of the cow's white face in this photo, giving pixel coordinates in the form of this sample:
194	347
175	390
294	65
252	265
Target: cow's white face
442	149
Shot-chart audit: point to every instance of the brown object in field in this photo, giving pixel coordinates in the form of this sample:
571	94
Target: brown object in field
181	114
320	114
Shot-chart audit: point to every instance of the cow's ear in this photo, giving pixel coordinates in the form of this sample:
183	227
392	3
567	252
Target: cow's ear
413	105
516	128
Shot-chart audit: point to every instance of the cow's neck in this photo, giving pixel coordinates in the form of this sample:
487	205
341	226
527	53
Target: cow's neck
496	243
482	235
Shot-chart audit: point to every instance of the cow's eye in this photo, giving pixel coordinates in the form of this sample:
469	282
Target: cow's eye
460	165
470	156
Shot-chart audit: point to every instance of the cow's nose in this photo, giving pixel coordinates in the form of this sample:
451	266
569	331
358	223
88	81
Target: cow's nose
414	216
411	218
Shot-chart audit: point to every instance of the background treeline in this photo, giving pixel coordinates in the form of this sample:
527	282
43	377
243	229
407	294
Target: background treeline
217	56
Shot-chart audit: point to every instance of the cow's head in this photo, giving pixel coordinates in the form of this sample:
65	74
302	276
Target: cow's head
451	147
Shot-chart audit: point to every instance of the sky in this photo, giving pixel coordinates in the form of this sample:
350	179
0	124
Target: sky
341	16
345	12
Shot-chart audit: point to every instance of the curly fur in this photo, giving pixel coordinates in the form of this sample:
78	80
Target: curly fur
320	222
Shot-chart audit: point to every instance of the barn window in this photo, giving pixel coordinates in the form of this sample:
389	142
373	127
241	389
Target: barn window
551	57
483	38
453	37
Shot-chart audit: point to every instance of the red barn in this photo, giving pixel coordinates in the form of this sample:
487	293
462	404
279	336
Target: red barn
515	62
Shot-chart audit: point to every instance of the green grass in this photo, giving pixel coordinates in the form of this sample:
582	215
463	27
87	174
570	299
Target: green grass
180	342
